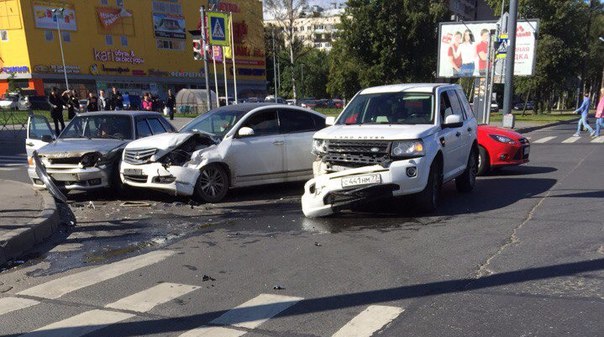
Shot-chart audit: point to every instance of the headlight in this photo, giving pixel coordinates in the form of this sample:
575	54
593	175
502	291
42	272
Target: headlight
319	146
503	139
90	159
408	149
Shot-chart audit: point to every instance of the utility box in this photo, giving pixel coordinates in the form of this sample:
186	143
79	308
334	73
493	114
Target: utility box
508	121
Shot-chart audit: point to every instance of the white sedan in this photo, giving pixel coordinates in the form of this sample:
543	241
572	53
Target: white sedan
232	146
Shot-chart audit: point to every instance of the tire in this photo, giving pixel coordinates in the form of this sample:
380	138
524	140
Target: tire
467	180
484	162
117	187
427	201
212	184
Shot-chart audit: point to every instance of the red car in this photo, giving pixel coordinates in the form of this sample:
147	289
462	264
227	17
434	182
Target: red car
500	147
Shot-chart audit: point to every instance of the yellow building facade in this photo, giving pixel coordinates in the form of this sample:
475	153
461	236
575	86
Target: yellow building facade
136	45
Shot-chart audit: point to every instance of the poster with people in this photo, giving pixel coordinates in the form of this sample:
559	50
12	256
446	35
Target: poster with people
463	48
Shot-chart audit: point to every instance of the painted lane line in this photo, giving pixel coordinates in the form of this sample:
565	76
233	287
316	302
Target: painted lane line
365	324
571	140
64	285
147	299
81	324
248	315
9	304
544	140
598	140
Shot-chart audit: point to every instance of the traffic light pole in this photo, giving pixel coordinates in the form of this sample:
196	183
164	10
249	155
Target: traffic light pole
205	56
510	57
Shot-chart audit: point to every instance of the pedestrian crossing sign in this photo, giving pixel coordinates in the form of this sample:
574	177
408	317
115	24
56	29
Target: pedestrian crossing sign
219	29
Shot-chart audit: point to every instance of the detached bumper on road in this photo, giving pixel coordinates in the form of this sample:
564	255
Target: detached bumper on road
175	180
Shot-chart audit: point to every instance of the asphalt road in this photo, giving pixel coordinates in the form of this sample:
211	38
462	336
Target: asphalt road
523	255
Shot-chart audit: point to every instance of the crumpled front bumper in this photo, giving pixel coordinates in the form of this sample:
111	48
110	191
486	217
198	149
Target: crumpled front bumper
175	180
84	179
325	195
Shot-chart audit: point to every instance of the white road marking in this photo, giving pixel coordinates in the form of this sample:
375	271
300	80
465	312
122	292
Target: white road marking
248	315
81	324
369	321
64	285
9	304
544	140
147	299
598	140
571	140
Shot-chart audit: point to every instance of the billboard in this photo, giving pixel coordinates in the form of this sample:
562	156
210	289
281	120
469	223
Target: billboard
44	17
169	26
463	48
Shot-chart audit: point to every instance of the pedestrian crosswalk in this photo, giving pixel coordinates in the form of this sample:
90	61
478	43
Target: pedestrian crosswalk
11	163
566	140
240	320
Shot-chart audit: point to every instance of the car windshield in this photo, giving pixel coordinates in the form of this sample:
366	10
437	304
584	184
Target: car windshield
406	108
216	122
99	126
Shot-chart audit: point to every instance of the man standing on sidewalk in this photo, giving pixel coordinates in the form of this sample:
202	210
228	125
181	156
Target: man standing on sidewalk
584	110
56	110
170	104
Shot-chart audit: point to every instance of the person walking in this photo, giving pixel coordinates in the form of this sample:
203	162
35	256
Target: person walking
170	104
147	103
92	103
102	101
584	110
56	110
116	100
600	113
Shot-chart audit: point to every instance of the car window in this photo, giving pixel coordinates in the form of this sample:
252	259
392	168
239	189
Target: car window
455	105
99	126
156	126
39	127
465	104
167	125
263	123
405	108
297	121
143	129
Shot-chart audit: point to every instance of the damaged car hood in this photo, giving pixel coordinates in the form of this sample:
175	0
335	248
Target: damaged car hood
80	146
164	141
373	131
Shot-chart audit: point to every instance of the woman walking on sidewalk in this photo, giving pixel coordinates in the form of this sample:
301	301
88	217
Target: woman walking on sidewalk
584	110
600	113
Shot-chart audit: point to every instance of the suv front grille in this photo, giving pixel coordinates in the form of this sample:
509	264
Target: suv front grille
138	157
357	153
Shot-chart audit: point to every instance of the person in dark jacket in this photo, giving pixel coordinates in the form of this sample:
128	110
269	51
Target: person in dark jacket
92	103
70	102
170	104
116	100
56	110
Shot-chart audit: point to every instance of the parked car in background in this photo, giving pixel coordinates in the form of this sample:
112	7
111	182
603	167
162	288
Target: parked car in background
15	102
499	147
521	106
87	153
223	100
228	147
338	103
309	104
271	99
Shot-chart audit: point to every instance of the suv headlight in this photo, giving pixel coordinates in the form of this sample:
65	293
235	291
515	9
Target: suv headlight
90	159
407	149
319	146
503	139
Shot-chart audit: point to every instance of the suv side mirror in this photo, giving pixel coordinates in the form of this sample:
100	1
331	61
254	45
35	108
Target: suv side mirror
47	139
329	121
245	132
453	121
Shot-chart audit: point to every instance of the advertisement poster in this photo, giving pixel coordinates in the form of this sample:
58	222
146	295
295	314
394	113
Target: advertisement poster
109	16
463	48
169	26
45	18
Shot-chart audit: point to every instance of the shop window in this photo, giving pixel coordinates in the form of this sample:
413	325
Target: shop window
119	3
49	35
104	2
167	7
170	44
3	35
66	36
124	40
109	40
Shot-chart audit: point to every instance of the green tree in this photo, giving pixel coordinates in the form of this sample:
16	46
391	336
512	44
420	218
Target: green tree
382	42
314	71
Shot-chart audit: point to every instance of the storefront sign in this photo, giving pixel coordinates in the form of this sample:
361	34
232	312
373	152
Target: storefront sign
138	72
250	72
118	70
53	68
116	55
109	16
224	6
169	26
17	69
188	74
45	18
156	72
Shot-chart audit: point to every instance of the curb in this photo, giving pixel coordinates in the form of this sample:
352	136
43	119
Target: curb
539	127
18	241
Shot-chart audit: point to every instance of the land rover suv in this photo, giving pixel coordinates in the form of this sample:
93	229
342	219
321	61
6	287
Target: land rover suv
391	141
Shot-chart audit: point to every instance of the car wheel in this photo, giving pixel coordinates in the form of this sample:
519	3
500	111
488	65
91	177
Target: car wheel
427	201
466	181
484	164
212	184
116	186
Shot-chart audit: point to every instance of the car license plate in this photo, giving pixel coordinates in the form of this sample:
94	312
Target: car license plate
65	176
526	150
361	180
133	172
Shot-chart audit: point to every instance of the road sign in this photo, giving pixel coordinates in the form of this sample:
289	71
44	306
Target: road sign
219	29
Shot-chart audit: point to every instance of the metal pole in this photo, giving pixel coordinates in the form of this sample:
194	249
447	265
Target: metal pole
510	57
274	65
215	77
226	82
487	107
233	54
302	80
205	56
61	44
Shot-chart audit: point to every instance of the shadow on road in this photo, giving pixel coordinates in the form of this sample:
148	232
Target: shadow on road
521	171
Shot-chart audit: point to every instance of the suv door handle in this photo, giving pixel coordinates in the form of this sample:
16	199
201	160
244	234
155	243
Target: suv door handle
278	142
29	144
457	134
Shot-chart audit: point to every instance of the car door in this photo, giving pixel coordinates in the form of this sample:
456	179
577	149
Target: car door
257	158
470	124
450	138
297	128
39	134
462	149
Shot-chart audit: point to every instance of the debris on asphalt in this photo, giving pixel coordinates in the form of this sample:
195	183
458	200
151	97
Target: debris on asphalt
4	289
207	278
278	288
317	244
91	205
135	204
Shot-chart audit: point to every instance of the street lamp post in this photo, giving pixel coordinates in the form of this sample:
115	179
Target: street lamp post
56	12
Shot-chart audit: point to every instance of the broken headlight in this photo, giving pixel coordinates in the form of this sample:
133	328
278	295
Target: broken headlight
176	157
319	146
90	159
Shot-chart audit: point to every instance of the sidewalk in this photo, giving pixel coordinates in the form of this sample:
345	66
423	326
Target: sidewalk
27	218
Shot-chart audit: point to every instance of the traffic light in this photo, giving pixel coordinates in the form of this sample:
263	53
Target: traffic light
197	50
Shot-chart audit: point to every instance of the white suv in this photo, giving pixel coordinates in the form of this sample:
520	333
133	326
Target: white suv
391	141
